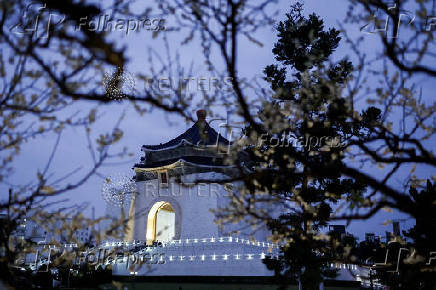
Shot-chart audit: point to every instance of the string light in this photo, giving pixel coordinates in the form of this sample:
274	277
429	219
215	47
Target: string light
203	240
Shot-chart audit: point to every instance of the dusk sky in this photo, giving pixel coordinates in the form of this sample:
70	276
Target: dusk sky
157	126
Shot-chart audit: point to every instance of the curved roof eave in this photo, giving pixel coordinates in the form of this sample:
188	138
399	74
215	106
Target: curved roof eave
181	161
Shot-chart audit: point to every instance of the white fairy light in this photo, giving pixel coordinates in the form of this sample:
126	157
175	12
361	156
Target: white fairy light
237	256
118	83
203	257
117	190
191	258
225	257
249	256
262	256
213	257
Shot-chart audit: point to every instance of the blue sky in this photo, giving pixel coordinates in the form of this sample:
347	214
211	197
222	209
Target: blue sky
157	127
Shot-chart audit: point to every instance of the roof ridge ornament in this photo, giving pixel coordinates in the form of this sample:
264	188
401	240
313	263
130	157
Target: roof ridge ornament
201	115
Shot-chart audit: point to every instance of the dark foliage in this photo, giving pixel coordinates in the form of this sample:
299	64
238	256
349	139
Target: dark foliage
309	190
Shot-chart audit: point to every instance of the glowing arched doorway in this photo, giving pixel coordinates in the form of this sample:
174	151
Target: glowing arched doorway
161	222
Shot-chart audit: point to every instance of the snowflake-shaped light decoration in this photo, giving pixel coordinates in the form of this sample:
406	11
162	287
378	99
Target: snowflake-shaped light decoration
117	189
118	83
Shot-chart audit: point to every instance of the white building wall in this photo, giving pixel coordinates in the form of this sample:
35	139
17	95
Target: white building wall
199	247
191	204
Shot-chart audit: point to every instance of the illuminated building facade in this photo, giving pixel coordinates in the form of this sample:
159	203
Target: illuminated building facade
179	186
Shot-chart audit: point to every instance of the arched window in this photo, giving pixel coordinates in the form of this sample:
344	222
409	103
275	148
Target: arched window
161	222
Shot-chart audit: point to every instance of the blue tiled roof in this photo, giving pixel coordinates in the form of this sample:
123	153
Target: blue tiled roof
193	136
